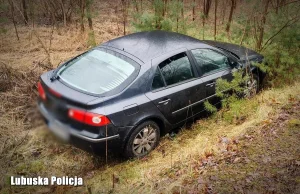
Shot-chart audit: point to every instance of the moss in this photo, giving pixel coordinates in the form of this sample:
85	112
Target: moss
294	123
36	166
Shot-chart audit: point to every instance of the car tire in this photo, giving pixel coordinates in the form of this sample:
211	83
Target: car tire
252	86
143	139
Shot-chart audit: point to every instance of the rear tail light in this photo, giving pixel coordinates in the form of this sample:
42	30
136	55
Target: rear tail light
88	117
41	91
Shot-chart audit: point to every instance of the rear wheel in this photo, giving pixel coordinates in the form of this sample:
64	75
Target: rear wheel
142	140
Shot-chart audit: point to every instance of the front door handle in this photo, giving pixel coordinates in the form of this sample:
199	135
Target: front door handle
164	102
210	84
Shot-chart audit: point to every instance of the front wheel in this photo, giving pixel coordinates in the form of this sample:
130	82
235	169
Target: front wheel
252	86
142	140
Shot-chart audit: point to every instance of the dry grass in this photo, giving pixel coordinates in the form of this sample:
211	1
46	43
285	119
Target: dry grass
30	150
202	140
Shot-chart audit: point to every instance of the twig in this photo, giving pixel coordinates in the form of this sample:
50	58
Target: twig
287	24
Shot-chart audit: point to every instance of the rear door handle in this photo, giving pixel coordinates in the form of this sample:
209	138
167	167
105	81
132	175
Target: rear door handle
164	102
210	84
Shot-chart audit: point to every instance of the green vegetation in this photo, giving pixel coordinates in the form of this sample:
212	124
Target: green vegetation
252	141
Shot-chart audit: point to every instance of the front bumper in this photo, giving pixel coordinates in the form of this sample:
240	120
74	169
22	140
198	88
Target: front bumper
66	132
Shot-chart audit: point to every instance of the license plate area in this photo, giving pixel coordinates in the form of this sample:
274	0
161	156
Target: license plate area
59	130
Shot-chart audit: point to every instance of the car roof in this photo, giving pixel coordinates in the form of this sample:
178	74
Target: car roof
150	44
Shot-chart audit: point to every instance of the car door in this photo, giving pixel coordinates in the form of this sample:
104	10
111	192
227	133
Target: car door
212	65
174	86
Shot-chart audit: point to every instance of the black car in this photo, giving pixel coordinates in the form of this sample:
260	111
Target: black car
129	91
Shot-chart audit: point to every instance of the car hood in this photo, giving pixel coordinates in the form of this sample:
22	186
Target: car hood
242	53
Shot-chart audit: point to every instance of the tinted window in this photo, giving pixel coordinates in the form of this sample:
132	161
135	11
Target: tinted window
176	69
97	71
157	80
209	61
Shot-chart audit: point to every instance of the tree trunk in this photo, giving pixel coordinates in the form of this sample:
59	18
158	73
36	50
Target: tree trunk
165	8
206	7
12	9
215	27
64	12
233	4
124	16
224	9
89	13
262	26
182	7
32	12
24	5
136	6
82	3
194	5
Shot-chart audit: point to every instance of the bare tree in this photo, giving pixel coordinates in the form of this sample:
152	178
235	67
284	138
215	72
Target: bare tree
12	11
194	5
182	7
89	13
24	6
215	26
82	8
63	12
124	9
135	3
262	25
206	7
233	5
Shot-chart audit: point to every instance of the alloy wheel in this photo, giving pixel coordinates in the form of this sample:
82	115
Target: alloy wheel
251	88
144	141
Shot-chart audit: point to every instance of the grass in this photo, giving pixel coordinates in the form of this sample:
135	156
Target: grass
175	158
179	164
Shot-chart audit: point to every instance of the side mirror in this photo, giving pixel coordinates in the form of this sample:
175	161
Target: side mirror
233	64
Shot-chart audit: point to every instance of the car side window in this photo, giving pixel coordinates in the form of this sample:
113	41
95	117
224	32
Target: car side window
157	81
176	69
209	61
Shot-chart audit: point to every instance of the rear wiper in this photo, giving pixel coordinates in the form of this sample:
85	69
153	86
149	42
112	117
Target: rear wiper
54	75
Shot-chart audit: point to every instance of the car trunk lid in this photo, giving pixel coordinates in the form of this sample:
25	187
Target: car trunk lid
59	97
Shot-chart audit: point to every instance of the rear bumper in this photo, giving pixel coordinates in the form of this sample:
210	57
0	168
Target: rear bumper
66	132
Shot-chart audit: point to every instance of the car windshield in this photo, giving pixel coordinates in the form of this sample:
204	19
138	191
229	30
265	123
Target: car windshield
97	71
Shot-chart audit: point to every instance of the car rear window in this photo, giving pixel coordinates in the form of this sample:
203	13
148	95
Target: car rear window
98	71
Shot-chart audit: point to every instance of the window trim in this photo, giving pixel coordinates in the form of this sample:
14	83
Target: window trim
193	69
198	67
177	83
161	76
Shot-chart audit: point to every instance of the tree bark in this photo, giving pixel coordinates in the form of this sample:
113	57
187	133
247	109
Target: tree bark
165	8
233	4
182	7
136	6
89	13
206	7
262	26
12	9
24	5
64	12
124	16
215	27
82	6
194	5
